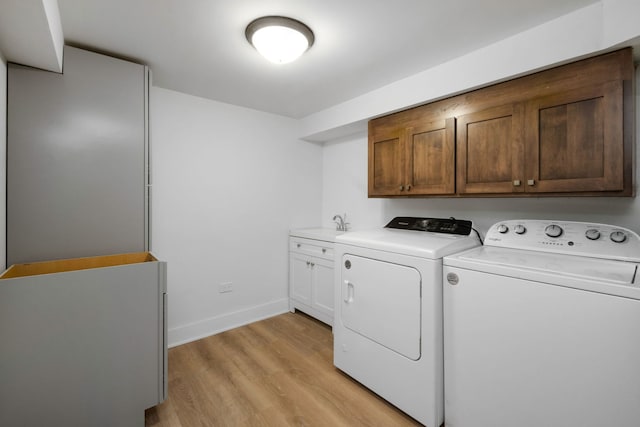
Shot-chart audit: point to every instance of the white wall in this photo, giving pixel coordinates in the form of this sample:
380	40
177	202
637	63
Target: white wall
228	183
345	189
3	163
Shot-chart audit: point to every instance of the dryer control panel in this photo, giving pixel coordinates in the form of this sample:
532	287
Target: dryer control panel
434	225
567	237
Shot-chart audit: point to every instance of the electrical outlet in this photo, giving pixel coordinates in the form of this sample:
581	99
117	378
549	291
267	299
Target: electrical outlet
225	287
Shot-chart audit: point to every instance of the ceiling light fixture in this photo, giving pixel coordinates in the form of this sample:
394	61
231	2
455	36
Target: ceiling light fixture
278	38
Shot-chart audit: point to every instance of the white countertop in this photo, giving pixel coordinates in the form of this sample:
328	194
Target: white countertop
317	233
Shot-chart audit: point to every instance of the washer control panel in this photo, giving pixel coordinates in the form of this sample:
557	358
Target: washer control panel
568	237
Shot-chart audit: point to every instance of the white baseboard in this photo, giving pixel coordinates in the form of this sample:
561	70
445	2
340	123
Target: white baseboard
214	325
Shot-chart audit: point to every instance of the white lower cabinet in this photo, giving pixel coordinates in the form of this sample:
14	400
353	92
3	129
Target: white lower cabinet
311	277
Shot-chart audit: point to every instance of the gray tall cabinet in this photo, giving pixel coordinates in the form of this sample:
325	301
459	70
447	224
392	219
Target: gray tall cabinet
77	169
83	306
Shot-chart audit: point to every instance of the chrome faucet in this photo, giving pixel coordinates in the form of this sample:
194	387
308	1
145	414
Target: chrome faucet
341	222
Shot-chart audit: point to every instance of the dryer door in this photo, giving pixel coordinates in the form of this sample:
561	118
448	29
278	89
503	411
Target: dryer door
381	301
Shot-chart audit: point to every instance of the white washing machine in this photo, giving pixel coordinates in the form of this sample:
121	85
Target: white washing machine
542	327
388	309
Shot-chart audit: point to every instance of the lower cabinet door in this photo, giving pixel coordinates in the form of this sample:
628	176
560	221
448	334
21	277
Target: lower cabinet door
322	272
300	278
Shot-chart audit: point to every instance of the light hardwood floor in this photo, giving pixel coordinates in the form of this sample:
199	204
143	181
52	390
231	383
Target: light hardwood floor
276	372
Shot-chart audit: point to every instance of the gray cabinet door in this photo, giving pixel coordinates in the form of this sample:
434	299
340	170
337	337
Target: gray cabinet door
76	172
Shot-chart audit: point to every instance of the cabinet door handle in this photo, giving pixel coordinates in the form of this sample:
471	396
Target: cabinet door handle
402	188
298	245
308	263
531	182
408	187
312	264
324	251
516	183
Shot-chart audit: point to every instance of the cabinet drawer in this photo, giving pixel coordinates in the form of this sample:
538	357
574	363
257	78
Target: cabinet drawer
311	247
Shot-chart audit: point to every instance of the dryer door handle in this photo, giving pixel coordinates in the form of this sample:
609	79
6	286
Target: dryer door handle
348	298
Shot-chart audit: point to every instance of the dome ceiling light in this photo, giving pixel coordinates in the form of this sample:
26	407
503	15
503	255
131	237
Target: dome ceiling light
278	38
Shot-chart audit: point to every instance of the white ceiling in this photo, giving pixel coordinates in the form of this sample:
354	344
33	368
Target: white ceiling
198	46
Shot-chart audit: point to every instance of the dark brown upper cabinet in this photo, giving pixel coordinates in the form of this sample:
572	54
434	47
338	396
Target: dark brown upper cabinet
409	158
563	131
574	140
490	150
386	161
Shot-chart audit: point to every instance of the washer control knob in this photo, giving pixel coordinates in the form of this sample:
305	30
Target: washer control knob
520	229
592	234
618	237
553	230
502	229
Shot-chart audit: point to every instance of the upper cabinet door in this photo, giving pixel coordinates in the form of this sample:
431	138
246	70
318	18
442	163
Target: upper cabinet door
386	161
430	154
575	140
490	150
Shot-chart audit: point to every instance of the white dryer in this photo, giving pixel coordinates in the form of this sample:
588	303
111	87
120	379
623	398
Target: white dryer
542	327
388	309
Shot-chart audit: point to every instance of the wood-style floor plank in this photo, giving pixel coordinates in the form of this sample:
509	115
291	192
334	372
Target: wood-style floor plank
276	372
